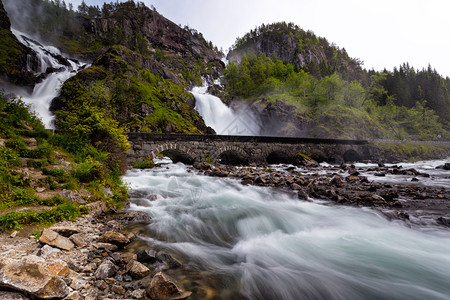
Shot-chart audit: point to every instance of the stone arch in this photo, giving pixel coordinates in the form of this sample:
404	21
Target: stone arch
176	152
278	156
232	152
351	155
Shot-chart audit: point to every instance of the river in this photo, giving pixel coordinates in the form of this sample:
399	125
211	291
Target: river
253	242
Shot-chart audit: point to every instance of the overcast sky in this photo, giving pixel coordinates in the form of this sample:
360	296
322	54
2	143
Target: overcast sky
382	33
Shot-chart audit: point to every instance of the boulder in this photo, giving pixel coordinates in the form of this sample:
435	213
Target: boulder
115	238
146	256
105	270
65	230
447	166
12	296
54	239
137	270
32	277
164	287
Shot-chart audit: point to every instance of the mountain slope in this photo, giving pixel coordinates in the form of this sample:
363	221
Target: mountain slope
302	49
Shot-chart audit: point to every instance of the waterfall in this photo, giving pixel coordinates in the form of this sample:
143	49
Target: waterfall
54	68
223	119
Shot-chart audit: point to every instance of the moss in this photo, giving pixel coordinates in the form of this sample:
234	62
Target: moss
411	151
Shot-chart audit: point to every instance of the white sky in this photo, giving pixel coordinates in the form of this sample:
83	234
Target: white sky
382	33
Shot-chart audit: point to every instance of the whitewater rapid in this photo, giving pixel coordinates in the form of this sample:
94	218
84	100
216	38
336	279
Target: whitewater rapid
260	243
223	119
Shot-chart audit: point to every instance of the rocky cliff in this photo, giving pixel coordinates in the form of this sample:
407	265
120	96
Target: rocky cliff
303	49
13	56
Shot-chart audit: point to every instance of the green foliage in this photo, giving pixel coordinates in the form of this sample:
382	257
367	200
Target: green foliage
89	170
147	164
65	211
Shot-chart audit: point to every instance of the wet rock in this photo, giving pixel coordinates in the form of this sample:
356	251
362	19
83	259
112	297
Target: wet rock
247	182
146	256
446	166
337	181
105	270
135	217
296	187
443	221
54	239
12	296
137	270
115	238
164	287
302	195
168	260
30	276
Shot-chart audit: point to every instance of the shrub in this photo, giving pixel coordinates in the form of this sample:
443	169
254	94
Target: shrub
89	170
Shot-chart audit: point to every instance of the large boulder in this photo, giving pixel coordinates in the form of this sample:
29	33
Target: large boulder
54	239
32	276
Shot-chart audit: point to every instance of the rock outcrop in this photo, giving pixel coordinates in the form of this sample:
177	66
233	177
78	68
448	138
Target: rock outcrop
13	56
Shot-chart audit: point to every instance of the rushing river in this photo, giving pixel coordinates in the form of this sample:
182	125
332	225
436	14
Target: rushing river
260	243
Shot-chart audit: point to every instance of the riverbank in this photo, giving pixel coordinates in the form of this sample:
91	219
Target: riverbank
87	259
113	256
411	200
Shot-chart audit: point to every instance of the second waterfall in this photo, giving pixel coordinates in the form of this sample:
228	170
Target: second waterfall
223	119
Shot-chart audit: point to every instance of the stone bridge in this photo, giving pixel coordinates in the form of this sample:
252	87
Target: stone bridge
242	149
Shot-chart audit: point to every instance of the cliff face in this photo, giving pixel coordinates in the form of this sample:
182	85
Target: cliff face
13	56
299	48
145	31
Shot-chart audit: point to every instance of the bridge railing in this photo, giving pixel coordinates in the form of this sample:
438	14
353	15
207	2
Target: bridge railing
136	136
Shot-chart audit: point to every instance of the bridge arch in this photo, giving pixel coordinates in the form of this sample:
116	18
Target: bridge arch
351	155
230	155
176	152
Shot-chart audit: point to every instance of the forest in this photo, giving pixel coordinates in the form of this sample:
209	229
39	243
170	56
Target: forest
405	103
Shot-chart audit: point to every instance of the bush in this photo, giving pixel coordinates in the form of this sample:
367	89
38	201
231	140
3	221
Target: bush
88	171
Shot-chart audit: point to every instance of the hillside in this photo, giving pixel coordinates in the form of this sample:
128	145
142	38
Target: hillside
303	86
302	49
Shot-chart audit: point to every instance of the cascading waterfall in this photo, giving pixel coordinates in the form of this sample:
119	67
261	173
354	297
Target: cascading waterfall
223	119
260	243
49	58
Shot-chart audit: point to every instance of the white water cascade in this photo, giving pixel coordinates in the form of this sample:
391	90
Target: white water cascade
250	242
43	93
223	119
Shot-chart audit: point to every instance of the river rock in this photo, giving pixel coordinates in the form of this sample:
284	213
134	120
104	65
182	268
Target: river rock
31	277
146	256
54	239
66	231
12	296
137	270
337	181
47	251
164	287
105	270
447	166
115	238
135	217
168	260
